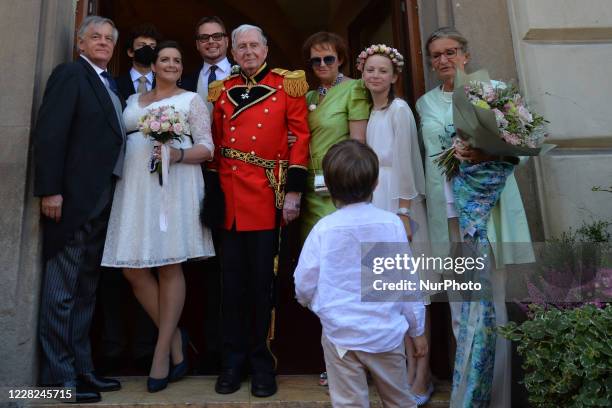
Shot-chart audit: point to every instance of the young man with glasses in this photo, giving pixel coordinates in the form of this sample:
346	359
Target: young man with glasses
211	41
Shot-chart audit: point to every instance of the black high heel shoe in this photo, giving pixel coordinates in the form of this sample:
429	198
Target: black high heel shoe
180	370
157	384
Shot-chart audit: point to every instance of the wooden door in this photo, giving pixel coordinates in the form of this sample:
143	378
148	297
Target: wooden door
394	23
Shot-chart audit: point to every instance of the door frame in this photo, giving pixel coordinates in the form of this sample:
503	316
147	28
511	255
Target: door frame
406	38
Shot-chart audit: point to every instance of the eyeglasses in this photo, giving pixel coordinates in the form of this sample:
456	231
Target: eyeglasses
206	37
318	61
449	53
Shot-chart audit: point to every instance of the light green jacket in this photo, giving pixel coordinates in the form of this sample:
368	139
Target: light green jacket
508	222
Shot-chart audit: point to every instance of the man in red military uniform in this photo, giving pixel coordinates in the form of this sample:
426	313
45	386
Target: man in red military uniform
261	179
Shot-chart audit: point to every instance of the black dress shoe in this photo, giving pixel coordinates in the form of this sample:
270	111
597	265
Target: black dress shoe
101	384
81	394
229	381
263	385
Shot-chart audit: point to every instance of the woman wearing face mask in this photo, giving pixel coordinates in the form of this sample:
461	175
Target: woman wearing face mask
339	110
136	240
392	133
140	47
447	51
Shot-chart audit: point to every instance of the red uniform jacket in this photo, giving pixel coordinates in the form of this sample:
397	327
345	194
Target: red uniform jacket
257	122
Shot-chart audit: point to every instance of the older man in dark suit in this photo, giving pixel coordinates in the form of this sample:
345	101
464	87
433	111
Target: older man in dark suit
78	153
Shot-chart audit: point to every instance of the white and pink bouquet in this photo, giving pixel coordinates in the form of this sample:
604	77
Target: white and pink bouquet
163	125
494	118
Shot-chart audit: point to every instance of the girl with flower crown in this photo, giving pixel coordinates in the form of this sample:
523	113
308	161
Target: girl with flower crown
392	133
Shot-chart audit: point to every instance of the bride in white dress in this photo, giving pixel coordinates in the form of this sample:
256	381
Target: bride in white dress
135	241
392	133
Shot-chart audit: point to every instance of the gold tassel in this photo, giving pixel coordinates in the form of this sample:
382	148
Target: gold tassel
295	83
214	90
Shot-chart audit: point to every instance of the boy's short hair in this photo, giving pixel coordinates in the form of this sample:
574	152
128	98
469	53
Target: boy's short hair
350	169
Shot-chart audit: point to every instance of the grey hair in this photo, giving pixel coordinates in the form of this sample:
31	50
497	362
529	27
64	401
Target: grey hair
243	29
447	32
97	20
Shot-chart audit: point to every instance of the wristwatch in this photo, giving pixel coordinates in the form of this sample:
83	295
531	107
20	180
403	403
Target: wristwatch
404	211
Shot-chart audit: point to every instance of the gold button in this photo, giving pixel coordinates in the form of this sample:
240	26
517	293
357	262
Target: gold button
224	116
253	152
274	98
259	125
222	101
233	139
233	128
254	137
280	87
279	155
234	168
223	88
266	110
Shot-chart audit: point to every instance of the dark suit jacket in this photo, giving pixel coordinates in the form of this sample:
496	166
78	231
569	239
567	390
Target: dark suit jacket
189	82
77	141
125	85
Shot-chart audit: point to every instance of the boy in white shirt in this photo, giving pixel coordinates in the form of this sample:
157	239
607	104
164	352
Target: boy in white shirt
357	336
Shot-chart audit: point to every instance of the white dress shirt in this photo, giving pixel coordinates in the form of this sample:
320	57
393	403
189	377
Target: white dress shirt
135	76
224	68
328	281
98	70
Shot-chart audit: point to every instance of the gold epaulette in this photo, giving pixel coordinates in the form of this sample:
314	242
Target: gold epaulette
216	87
214	90
294	82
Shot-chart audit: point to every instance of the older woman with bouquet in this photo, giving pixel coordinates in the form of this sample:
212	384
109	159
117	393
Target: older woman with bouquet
482	367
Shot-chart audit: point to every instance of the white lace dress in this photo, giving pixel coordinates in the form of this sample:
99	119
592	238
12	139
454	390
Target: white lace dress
134	238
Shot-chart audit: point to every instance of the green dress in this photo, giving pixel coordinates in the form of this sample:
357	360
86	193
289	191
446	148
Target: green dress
329	124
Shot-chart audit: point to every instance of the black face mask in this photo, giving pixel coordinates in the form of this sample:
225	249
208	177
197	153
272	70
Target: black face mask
144	55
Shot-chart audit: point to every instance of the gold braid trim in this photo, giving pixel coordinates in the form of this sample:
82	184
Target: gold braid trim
278	186
214	90
294	82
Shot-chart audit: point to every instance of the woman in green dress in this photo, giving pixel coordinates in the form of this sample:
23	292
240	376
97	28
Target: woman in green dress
339	109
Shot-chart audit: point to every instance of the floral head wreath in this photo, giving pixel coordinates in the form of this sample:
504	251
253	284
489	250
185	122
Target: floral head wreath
396	58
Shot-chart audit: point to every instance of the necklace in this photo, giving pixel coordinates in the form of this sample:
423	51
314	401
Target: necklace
323	90
445	96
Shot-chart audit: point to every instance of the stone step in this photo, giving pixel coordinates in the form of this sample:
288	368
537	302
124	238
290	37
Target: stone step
294	391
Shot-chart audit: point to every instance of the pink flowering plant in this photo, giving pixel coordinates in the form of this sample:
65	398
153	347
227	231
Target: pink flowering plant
163	125
494	118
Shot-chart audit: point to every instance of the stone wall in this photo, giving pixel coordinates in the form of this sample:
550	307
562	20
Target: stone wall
564	52
37	35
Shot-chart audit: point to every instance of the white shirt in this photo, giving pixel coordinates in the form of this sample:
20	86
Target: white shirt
98	70
328	281
224	68
135	76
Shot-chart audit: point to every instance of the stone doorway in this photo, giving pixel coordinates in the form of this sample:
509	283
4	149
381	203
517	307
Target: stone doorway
287	24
